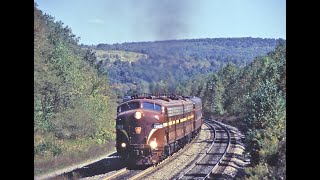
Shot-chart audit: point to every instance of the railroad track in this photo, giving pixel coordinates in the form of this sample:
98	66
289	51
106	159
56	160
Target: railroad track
125	173
207	156
208	163
202	167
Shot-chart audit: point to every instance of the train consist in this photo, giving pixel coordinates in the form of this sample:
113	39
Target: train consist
150	128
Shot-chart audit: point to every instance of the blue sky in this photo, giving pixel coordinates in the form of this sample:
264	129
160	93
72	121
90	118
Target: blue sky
118	21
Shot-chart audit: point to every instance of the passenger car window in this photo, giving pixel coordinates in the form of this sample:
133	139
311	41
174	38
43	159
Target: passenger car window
152	106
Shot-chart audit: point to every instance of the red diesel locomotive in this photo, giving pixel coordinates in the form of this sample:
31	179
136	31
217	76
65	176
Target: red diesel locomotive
150	128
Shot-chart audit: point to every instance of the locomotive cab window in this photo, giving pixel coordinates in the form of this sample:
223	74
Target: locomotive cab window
152	106
128	106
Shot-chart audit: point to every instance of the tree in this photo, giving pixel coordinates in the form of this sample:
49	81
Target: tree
72	100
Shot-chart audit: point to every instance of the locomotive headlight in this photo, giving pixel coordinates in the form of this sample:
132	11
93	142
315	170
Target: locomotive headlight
138	115
153	144
123	145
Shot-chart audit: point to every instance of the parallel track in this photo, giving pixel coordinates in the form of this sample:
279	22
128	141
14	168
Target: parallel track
209	161
136	174
201	168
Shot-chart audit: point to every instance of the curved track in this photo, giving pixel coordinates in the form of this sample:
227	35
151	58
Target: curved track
209	161
209	155
200	168
142	174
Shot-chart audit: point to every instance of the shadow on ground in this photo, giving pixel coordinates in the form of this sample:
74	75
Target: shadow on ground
108	164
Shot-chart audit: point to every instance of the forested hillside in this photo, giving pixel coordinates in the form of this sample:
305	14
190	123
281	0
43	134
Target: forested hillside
169	63
74	110
75	88
255	96
241	81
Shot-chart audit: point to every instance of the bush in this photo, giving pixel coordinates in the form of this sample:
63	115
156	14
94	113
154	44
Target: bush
73	123
257	172
42	148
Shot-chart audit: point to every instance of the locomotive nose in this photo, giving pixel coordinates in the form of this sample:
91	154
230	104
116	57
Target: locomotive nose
138	130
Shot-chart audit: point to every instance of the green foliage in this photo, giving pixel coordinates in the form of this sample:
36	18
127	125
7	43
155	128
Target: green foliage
72	99
265	119
256	94
266	107
216	90
47	147
175	62
73	123
73	103
273	161
258	172
112	56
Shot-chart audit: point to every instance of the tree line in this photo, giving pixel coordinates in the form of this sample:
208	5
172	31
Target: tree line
74	94
73	103
170	63
256	95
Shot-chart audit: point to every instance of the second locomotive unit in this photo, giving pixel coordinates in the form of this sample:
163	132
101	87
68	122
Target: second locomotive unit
150	128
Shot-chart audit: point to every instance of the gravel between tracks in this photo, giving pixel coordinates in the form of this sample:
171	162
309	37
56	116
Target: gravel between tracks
232	162
176	165
171	167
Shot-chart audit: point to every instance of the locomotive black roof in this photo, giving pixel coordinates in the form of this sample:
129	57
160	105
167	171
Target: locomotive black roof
165	99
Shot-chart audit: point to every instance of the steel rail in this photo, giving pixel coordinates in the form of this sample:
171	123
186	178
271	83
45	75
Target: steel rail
154	167
162	163
225	152
116	174
209	149
204	154
214	168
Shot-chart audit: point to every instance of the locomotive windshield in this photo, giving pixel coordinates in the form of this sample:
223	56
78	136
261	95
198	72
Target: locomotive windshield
152	106
128	106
